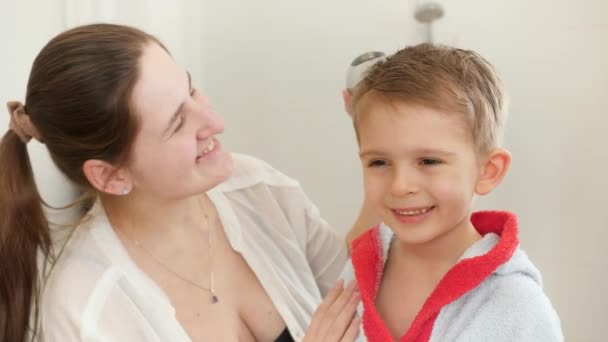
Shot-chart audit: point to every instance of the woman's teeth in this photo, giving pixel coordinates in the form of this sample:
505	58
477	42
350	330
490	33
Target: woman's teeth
209	148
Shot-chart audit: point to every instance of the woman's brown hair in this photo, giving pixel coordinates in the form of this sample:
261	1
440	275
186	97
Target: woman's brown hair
78	100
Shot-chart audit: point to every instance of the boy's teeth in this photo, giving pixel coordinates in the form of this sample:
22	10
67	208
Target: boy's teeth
413	212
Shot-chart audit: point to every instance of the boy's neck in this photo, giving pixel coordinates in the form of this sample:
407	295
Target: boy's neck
413	271
440	253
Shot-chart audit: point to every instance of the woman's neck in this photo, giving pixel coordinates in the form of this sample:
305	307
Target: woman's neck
145	219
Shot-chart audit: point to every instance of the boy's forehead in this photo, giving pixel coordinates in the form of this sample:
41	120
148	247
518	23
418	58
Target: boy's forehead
413	125
394	109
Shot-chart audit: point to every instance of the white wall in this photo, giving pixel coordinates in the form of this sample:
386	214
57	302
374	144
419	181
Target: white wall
275	69
176	23
25	26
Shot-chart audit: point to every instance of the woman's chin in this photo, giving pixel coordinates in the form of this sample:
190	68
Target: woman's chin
217	172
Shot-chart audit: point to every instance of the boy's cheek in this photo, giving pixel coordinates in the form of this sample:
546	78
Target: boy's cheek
373	192
454	191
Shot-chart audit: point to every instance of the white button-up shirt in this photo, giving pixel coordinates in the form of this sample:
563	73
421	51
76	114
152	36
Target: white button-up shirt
97	293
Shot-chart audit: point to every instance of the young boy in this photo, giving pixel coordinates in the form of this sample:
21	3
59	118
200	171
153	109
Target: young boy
428	122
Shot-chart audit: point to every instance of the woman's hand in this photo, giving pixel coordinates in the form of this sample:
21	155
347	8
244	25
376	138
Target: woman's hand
335	318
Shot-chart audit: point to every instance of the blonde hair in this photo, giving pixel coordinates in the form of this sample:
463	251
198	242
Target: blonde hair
443	78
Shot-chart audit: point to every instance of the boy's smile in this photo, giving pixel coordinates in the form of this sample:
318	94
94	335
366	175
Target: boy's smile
412	215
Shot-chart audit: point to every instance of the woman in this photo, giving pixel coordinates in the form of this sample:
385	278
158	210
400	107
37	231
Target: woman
184	241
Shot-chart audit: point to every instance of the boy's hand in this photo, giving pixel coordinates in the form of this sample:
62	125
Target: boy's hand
346	98
335	320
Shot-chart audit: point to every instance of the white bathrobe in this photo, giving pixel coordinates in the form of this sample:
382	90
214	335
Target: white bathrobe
494	293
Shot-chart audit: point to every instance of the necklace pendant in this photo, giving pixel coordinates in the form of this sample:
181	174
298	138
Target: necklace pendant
214	299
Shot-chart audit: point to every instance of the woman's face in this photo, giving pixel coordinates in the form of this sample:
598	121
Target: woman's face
176	152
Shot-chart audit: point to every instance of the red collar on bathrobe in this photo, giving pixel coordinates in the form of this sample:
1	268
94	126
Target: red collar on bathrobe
467	274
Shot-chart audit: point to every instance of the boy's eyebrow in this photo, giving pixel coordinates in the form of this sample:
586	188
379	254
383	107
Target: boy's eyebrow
364	154
179	109
434	151
421	151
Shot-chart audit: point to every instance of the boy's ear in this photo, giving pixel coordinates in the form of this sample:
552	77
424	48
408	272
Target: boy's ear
106	177
493	171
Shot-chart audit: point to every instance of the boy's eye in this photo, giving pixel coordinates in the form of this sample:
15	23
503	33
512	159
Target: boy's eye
429	161
376	163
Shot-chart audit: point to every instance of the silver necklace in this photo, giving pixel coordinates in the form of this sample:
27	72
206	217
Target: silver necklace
211	288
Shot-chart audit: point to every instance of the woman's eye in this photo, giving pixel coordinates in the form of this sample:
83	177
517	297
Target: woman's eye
180	123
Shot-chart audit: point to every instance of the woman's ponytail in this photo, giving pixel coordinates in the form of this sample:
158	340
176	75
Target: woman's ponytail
24	232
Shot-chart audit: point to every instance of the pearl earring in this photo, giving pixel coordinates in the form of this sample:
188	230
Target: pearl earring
125	191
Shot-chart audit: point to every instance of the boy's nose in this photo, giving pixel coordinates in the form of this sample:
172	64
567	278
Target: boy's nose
403	185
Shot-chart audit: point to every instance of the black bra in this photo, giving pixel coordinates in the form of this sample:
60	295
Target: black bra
285	337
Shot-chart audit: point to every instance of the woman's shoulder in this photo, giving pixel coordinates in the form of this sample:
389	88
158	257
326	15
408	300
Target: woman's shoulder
85	294
80	268
75	291
77	269
249	171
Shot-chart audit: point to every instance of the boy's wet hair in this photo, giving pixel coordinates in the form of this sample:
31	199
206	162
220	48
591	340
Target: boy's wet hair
443	78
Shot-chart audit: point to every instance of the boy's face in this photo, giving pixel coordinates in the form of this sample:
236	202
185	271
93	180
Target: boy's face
420	169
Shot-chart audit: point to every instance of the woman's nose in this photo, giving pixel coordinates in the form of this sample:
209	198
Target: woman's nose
210	121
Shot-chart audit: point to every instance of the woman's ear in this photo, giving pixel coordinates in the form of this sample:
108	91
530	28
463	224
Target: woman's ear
493	171
107	178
